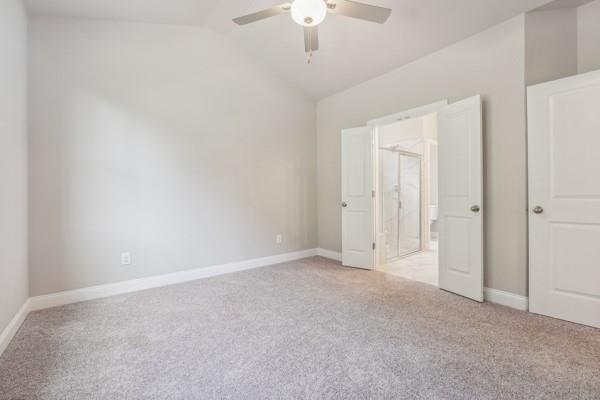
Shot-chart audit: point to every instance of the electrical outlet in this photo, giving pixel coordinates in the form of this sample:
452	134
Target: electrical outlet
126	258
279	239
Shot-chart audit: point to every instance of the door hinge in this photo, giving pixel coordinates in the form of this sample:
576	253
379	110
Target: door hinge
374	246
372	193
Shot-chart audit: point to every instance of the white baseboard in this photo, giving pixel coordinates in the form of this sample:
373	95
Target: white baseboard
96	292
506	299
332	255
13	326
492	295
112	289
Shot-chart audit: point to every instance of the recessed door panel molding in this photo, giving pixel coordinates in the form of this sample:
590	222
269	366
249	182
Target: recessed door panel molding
582	239
564	198
358	231
457	255
460	198
356	179
571	156
458	150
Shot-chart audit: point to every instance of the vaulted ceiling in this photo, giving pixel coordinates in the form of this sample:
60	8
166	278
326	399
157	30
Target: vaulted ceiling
351	51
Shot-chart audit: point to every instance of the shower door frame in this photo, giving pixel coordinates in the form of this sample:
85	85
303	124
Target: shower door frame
419	157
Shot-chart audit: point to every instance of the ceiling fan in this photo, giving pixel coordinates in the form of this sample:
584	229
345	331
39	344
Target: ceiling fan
310	13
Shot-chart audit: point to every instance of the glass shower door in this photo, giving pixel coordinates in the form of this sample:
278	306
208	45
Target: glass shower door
400	202
390	190
409	214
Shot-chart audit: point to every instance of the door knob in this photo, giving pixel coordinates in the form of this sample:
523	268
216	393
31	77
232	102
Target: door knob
475	208
538	210
344	204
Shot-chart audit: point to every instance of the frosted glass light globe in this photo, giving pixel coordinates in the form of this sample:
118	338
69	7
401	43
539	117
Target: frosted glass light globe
308	12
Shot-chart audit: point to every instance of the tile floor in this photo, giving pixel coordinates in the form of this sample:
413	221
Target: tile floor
421	267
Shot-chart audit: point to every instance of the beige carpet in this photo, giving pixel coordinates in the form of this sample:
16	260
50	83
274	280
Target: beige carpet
308	329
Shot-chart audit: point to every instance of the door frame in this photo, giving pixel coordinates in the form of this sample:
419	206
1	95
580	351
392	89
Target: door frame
376	124
408	114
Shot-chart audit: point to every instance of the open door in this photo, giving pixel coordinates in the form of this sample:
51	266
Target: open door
358	248
564	198
460	198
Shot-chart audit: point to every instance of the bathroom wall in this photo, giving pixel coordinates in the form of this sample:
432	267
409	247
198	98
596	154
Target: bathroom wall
400	131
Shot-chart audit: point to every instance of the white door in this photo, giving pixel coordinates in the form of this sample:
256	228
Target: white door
460	198
564	198
357	198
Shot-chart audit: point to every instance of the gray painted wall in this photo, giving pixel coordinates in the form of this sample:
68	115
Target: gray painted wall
13	160
491	64
588	17
135	146
163	141
551	45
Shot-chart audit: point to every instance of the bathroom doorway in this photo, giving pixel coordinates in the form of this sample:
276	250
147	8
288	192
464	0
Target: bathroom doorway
446	134
407	197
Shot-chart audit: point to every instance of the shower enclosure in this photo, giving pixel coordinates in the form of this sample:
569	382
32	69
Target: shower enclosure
400	183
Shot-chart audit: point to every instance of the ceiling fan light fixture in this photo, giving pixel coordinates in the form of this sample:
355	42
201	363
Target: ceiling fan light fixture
309	12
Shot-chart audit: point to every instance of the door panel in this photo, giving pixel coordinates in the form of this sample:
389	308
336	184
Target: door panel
564	194
583	240
457	253
568	157
461	194
357	200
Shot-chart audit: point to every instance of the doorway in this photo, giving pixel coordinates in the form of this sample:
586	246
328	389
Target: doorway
460	194
407	195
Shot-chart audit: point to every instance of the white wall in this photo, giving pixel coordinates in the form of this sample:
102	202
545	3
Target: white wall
490	63
400	131
551	45
13	159
588	17
163	141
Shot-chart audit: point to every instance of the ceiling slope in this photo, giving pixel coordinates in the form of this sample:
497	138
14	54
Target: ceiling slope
351	51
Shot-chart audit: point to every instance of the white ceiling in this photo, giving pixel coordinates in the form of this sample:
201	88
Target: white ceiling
351	51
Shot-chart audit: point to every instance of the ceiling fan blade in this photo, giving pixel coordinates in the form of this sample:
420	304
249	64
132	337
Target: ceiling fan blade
311	38
264	14
357	10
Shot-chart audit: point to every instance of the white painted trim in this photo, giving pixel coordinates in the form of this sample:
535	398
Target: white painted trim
96	292
492	295
13	326
112	289
412	113
332	255
506	299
